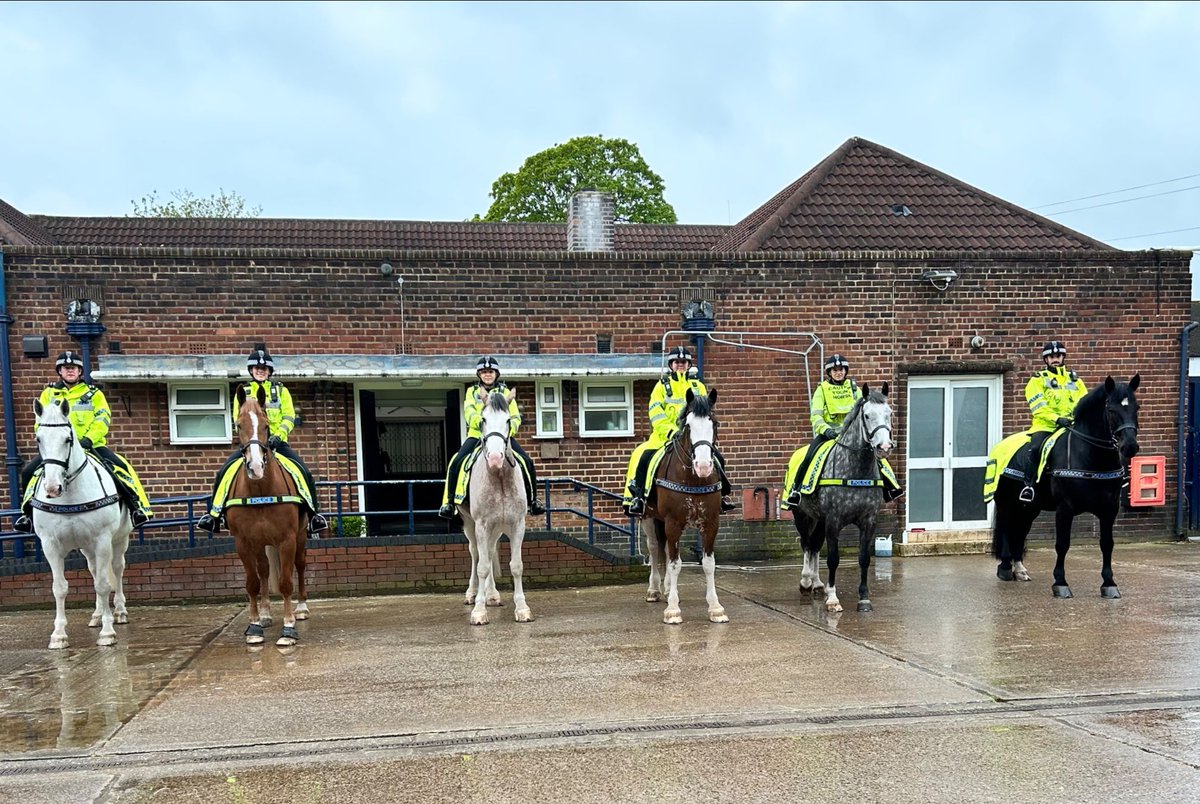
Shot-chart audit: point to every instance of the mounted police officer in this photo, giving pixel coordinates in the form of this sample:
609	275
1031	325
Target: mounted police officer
281	419
667	401
487	369
91	419
833	399
1052	395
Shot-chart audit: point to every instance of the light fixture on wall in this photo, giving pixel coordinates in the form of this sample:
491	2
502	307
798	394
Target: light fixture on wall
940	278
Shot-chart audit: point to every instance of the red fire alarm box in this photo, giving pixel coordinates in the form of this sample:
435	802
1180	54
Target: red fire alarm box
1146	480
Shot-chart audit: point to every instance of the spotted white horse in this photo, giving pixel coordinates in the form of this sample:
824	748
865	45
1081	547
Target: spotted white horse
77	507
496	505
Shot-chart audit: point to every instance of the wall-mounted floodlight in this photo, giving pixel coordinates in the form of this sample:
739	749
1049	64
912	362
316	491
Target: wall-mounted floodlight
940	278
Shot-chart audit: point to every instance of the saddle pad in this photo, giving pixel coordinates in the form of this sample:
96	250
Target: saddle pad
288	465
36	478
656	460
464	475
1012	452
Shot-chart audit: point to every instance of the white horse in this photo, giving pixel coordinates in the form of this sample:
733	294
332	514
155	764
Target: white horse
77	507
496	506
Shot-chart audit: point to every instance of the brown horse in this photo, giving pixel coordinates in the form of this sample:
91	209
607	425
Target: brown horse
264	510
688	492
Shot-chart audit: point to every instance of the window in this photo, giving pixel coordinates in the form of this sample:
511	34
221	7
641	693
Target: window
948	446
549	409
605	409
200	414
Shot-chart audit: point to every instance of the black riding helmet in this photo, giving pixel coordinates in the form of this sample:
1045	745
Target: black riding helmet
679	353
260	357
67	358
1054	348
836	361
488	362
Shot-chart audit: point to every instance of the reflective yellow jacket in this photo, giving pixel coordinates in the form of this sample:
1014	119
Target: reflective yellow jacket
830	404
90	415
281	413
1051	393
473	410
667	400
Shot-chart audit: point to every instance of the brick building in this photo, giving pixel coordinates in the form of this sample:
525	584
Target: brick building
936	287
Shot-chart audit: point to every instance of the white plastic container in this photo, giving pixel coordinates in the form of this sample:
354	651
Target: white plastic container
883	546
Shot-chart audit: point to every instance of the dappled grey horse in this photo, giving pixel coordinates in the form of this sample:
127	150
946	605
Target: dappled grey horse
849	493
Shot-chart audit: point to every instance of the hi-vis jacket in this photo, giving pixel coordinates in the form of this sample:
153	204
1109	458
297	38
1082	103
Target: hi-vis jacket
473	410
281	413
830	404
667	401
90	415
1051	393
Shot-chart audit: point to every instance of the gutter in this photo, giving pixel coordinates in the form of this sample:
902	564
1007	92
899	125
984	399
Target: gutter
12	460
1180	531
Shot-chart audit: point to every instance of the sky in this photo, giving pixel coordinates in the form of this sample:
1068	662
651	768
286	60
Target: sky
1086	113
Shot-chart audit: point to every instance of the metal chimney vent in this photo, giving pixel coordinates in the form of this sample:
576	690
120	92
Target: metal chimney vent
590	221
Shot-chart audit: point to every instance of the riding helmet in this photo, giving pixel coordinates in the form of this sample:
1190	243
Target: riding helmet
260	357
1054	348
488	362
679	353
836	361
68	358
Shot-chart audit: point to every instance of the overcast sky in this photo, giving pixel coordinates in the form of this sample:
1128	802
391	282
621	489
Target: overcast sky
411	110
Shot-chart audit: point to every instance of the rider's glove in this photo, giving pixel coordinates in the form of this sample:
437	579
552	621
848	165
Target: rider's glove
274	441
830	432
85	442
1063	421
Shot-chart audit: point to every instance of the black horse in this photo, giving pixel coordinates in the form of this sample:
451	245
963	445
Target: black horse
1084	473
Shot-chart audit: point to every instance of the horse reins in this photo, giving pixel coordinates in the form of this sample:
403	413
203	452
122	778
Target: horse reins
1112	445
68	475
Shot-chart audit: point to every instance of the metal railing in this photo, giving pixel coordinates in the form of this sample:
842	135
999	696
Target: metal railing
186	509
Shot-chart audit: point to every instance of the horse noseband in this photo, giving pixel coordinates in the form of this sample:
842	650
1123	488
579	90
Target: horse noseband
66	465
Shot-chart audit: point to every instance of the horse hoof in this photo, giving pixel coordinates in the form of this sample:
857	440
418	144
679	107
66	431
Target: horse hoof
673	617
1005	573
524	616
495	602
254	634
58	643
865	605
284	642
301	614
818	591
469	600
653	597
1110	593
805	584
1023	576
718	616
105	640
265	621
121	618
833	607
1062	590
479	619
94	622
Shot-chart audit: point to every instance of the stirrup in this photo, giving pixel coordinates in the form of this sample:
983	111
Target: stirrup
447	511
317	523
636	507
23	524
208	523
536	508
138	517
727	505
1026	494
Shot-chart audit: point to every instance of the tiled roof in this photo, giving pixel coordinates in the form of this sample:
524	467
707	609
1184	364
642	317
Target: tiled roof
865	196
17	229
360	234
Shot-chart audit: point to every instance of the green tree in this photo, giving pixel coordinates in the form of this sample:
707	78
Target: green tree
539	191
187	204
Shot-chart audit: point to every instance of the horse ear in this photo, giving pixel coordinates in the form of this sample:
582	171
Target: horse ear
1135	382
866	390
1109	384
690	396
261	396
511	395
885	389
241	395
65	407
37	408
712	397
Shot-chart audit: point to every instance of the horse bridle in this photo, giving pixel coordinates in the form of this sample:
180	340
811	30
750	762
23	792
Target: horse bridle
68	475
690	456
862	425
504	437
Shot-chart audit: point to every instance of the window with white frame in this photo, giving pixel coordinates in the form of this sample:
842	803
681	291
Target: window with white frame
605	408
200	414
549	409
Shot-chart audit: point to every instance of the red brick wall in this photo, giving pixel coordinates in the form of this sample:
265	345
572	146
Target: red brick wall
1118	313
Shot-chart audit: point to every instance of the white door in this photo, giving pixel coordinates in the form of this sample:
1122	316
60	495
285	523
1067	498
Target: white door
952	423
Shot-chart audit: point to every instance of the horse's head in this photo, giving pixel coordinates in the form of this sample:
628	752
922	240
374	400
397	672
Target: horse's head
496	426
1120	411
876	417
58	446
697	423
253	431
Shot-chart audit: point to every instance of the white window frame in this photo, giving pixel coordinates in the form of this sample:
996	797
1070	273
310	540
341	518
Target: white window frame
947	462
585	407
543	406
223	409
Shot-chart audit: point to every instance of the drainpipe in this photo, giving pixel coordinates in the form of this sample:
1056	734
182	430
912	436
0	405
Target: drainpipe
11	459
1183	395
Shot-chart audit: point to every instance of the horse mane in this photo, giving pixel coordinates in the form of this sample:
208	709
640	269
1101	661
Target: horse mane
700	405
1091	404
497	401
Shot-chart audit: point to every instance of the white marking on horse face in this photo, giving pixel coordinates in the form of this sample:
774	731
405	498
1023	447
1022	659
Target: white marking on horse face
878	419
494	421
54	442
256	463
1125	403
701	429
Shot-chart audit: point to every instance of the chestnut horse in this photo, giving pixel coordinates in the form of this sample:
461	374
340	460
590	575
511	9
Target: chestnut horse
688	492
265	510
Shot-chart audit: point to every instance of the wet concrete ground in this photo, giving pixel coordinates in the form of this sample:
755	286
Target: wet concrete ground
956	688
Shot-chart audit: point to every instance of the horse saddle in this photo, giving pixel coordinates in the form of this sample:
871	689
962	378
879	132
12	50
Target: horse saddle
1013	457
463	482
119	476
305	493
657	458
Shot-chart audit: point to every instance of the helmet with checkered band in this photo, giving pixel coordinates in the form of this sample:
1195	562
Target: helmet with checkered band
836	361
1054	348
679	353
68	358
260	357
488	363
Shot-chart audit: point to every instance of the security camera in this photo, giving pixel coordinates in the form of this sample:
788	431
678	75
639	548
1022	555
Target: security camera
386	269
940	278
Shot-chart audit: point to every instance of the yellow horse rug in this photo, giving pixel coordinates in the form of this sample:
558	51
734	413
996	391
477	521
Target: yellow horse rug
463	483
1011	457
305	493
118	473
812	476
